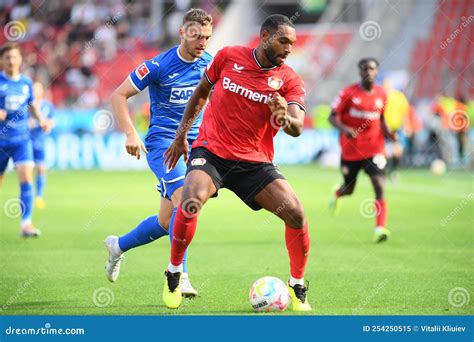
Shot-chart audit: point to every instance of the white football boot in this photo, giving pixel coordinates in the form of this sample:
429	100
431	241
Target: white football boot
112	267
187	290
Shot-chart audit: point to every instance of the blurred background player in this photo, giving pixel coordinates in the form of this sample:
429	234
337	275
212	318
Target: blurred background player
171	77
358	113
38	140
254	95
396	116
16	102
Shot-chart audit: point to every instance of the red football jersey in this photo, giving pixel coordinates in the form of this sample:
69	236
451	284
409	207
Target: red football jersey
362	111
236	123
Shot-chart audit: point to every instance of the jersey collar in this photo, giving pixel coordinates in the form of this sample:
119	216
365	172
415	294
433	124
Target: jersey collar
11	78
184	60
254	54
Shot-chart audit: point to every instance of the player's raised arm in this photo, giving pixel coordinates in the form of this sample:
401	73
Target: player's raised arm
289	116
195	104
119	98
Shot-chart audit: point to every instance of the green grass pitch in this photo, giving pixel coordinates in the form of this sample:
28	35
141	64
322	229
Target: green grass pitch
426	267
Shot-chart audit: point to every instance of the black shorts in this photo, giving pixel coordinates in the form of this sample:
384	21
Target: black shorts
245	179
372	166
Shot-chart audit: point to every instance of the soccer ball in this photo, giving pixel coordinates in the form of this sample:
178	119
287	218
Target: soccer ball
269	294
438	167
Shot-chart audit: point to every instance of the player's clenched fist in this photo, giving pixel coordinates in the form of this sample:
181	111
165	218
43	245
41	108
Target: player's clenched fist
279	109
178	148
3	114
278	103
134	145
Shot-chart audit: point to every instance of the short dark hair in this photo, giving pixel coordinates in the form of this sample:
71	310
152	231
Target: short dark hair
9	46
273	21
367	60
197	15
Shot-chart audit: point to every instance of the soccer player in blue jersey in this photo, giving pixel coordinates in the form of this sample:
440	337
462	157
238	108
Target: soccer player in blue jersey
16	103
38	140
171	78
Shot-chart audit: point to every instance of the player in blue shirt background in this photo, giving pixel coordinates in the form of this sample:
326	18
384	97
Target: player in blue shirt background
16	103
38	140
171	78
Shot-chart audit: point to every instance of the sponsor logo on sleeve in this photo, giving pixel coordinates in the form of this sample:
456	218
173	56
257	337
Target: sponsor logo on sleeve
142	71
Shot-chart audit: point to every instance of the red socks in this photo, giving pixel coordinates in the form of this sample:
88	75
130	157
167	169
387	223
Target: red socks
297	243
183	231
381	212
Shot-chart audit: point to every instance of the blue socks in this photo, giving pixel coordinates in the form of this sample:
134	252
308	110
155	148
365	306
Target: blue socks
185	269
40	183
147	231
26	198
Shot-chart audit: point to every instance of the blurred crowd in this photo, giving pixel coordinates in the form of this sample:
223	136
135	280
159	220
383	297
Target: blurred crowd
63	41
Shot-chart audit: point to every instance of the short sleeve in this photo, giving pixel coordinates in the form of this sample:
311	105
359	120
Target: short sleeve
145	74
214	68
340	102
296	92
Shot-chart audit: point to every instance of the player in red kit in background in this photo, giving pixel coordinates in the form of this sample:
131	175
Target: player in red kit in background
358	114
254	95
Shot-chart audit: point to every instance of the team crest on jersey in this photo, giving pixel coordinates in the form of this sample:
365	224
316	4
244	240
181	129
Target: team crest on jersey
198	162
275	82
142	71
378	103
356	100
25	89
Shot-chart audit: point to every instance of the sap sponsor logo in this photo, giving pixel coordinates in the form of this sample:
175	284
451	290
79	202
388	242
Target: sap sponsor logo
242	91
181	95
142	71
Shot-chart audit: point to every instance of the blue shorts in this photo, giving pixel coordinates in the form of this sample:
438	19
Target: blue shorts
168	180
20	153
39	155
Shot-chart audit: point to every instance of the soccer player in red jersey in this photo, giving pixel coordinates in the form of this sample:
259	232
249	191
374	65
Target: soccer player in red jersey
358	114
254	95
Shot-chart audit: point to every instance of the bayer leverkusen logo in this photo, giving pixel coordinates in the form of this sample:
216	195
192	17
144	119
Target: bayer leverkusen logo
275	82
